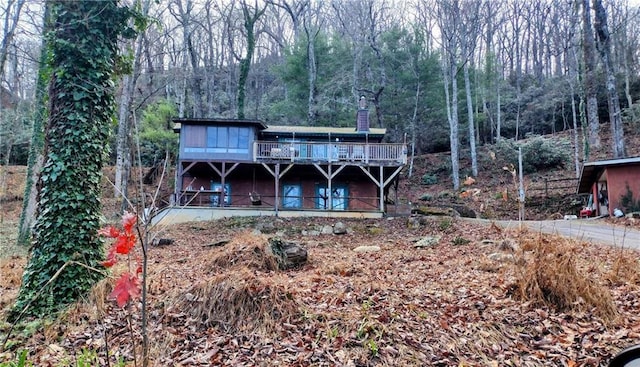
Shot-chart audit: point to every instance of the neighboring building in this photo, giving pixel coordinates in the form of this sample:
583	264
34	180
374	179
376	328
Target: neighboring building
608	181
244	167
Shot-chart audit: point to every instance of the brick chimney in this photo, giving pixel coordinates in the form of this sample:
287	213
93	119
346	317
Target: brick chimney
362	118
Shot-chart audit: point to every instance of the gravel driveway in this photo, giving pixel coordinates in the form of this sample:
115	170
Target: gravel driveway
589	230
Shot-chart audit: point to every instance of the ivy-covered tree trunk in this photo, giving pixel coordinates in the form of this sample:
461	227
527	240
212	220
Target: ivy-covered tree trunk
83	55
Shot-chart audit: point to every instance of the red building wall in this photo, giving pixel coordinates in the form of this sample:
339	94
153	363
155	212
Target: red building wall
617	180
362	195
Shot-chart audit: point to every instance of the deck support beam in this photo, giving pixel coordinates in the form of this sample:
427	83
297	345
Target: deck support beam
381	182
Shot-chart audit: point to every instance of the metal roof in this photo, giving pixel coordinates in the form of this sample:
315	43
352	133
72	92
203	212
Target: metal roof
282	129
591	171
322	130
216	121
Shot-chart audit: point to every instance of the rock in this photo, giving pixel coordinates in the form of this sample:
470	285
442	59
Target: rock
434	210
266	227
289	254
327	230
414	222
633	215
464	211
339	228
162	241
312	232
502	257
367	249
427	242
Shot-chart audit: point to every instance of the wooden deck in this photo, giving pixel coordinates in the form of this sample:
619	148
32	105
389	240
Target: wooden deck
375	154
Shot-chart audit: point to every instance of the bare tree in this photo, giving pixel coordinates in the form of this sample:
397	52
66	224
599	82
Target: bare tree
469	34
251	15
364	21
184	14
123	141
604	48
448	16
590	77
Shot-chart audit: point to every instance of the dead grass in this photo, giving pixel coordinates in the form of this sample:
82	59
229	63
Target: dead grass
246	249
10	279
551	277
239	300
625	268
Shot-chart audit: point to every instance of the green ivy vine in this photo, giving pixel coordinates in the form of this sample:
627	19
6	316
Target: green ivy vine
82	44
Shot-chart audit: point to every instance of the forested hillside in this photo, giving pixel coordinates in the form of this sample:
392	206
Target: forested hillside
88	85
441	74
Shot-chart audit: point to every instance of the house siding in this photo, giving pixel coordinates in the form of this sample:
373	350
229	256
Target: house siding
617	180
362	195
192	135
356	163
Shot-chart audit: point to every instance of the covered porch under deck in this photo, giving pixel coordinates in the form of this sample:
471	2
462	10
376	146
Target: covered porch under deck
277	186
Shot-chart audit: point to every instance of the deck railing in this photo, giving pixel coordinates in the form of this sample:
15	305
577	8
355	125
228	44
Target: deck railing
368	153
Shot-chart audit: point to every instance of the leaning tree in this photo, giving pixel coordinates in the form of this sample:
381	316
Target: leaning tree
83	56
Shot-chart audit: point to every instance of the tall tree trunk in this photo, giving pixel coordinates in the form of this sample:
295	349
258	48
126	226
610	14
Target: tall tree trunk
36	150
83	59
312	76
604	47
123	139
11	17
250	20
472	137
590	77
451	97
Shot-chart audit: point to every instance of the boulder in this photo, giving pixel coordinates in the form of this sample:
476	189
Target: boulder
427	242
339	228
289	254
434	210
367	249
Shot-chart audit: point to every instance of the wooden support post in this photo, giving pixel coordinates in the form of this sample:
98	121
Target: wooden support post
277	191
381	185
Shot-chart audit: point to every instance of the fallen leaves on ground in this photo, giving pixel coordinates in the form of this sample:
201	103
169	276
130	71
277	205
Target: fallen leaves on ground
447	305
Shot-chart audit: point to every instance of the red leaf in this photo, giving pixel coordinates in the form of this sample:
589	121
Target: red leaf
110	232
128	220
127	287
111	258
125	243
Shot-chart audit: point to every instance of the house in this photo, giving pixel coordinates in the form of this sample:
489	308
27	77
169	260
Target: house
608	181
230	167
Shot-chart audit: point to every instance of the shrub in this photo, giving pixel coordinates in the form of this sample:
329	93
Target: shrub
426	197
538	153
429	179
445	194
156	133
460	241
628	202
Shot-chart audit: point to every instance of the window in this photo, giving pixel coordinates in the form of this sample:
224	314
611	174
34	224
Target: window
217	188
217	139
339	197
195	138
291	196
